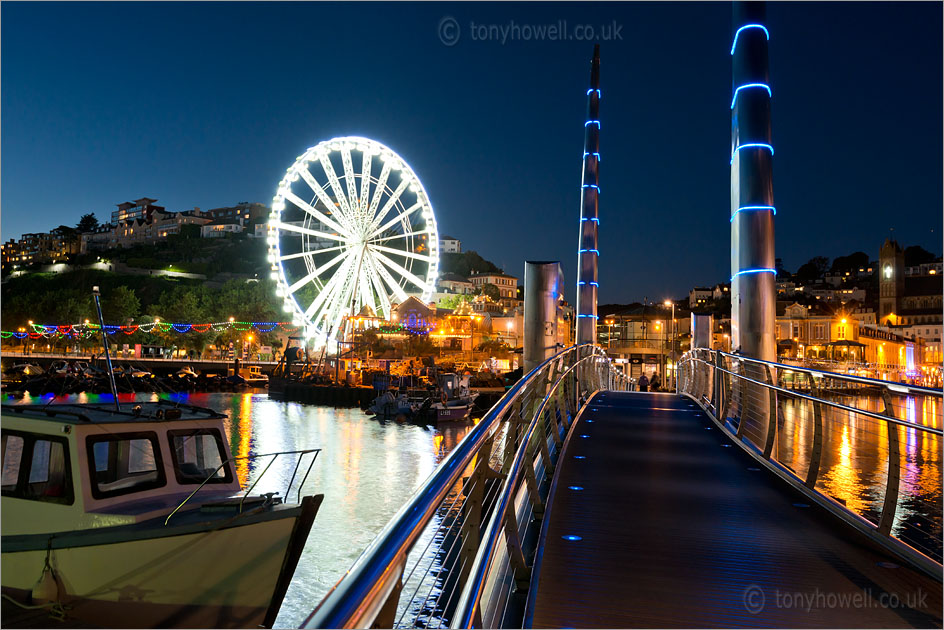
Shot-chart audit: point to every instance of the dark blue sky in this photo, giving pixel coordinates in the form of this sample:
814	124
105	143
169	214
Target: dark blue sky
208	104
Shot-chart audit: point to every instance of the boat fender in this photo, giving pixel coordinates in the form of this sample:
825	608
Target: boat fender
46	588
443	398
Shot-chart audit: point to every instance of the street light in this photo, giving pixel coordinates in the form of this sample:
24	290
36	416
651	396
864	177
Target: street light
674	336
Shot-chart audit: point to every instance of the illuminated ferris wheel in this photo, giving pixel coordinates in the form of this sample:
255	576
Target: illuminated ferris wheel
351	227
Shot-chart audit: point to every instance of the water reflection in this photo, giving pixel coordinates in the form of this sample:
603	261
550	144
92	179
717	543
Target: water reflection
367	470
855	458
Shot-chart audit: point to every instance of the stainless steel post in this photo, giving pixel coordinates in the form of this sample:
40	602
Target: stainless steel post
543	286
753	276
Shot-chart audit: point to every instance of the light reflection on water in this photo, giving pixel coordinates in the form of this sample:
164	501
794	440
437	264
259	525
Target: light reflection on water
854	466
366	470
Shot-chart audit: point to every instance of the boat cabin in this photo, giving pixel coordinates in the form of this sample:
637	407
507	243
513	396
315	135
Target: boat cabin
68	467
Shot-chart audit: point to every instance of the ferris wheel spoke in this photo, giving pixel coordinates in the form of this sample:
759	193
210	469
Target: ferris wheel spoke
403	271
378	286
365	183
364	288
312	252
328	289
396	236
379	189
307	207
317	272
344	207
393	284
389	203
340	300
400	252
349	180
400	217
309	232
325	198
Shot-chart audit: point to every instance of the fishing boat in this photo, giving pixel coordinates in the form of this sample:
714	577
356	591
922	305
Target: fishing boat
455	398
136	518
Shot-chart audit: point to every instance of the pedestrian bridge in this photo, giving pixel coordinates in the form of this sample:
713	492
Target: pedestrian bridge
759	495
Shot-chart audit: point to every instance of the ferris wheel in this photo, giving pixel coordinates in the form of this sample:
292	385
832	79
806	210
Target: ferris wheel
351	227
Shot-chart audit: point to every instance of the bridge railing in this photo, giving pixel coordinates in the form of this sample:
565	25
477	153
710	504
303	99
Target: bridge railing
461	548
870	451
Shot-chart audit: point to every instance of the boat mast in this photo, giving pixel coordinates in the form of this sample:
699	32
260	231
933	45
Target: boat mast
101	320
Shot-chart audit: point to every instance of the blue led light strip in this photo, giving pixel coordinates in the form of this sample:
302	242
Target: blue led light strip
752	145
746	271
599	94
592	284
747	86
592	122
746	26
592	186
590	316
589	251
593	219
595	154
771	208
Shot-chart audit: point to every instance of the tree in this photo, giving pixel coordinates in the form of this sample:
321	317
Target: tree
852	262
917	255
813	269
453	301
119	305
87	223
491	291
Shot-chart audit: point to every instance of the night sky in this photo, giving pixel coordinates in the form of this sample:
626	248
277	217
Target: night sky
207	105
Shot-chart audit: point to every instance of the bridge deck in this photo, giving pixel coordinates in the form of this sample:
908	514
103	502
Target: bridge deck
679	531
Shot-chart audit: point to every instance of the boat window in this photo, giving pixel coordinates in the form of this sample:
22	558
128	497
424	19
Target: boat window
36	467
124	462
198	455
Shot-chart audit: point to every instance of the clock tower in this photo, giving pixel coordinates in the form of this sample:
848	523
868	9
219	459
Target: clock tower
891	281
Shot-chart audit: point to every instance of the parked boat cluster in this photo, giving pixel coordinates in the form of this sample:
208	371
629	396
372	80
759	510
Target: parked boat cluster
65	377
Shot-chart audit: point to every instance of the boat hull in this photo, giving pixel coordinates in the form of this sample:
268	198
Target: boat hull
226	572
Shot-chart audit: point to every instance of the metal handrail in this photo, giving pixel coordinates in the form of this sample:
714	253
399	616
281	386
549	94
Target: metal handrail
895	387
372	584
823	401
757	424
274	456
472	592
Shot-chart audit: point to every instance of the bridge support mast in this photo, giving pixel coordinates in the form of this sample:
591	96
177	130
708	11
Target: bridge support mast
753	275
588	252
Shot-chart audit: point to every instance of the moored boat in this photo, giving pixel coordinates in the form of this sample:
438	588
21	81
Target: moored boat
456	399
136	518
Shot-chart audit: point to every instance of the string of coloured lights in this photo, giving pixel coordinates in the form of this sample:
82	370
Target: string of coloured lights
83	331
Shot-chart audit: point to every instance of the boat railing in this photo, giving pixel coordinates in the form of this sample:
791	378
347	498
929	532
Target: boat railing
466	537
865	449
273	456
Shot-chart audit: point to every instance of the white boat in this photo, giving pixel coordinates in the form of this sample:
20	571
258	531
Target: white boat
136	519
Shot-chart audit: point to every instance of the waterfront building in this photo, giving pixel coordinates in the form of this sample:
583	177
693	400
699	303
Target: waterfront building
642	339
838	341
449	245
699	297
908	298
220	228
454	283
507	286
139	209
